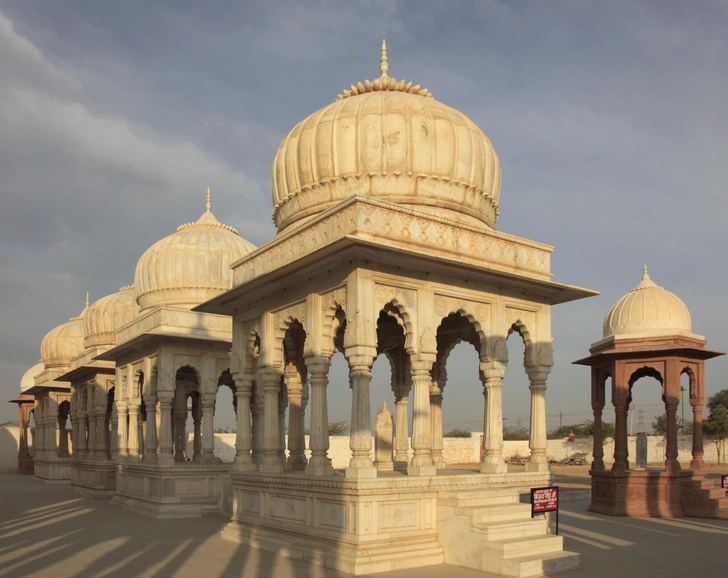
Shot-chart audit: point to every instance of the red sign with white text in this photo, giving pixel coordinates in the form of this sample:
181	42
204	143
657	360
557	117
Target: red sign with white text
544	499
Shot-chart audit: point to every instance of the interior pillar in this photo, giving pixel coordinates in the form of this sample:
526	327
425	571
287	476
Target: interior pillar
493	424
538	461
421	464
150	446
296	441
208	428
436	418
271	382
166	457
318	465
243	434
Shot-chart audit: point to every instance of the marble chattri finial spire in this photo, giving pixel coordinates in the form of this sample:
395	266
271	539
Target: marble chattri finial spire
644	272
384	61
208	203
86	298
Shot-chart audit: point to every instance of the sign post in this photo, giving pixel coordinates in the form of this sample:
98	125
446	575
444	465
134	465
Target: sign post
547	500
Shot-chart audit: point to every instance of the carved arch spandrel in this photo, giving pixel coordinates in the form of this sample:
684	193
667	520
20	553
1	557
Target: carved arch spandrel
333	311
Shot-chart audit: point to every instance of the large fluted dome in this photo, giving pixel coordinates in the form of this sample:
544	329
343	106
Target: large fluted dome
27	381
391	141
63	343
191	265
648	310
107	315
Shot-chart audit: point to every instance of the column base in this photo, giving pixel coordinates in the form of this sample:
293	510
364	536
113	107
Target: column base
319	469
426	470
360	473
537	467
493	467
439	462
273	466
243	467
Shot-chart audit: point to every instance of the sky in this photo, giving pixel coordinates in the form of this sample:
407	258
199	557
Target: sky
610	120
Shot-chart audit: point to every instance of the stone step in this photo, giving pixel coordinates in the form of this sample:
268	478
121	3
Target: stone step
478	498
519	529
497	513
519	547
540	565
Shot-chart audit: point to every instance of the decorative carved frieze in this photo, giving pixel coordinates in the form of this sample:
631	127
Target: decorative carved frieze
385	222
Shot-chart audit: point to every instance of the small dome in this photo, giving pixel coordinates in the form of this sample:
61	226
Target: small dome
191	265
388	140
27	381
648	310
107	314
63	343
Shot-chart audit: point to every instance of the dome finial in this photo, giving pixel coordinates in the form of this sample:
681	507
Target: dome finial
208	203
86	298
645	276
384	61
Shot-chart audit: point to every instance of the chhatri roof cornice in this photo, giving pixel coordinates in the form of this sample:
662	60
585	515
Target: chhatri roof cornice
389	227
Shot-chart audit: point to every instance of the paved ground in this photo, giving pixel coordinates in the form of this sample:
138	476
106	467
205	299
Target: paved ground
49	531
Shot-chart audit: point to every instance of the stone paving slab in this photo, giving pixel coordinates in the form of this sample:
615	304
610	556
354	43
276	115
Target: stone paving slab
50	531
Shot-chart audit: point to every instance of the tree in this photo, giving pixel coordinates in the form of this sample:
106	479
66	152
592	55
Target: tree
659	426
720	398
715	428
515	433
458	433
584	429
339	428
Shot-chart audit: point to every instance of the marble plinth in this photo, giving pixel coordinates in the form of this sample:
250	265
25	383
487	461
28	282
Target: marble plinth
93	477
53	470
188	490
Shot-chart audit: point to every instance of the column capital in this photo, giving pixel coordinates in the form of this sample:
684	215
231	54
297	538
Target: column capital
165	397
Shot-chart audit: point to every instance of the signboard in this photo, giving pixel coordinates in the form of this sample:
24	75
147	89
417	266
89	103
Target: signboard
545	500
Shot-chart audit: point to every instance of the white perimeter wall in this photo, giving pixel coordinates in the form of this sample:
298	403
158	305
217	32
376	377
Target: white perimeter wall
455	451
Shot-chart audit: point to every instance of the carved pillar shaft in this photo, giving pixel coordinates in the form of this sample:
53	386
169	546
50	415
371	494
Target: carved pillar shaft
82	420
92	441
538	461
101	434
621	456
697	462
243	436
493	427
271	463
401	440
421	464
360	438
282	405
598	450
318	465
133	444
208	429
150	445
296	442
166	456
121	430
114	440
671	463
436	416
257	428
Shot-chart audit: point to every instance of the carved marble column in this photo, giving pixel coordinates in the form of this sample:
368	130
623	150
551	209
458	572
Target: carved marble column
318	465
114	440
598	451
101	433
256	412
296	441
271	382
122	431
51	420
697	464
62	438
133	444
166	457
196	430
208	428
150	445
82	440
360	439
92	450
493	427
421	464
282	405
401	438
436	417
538	461
243	437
